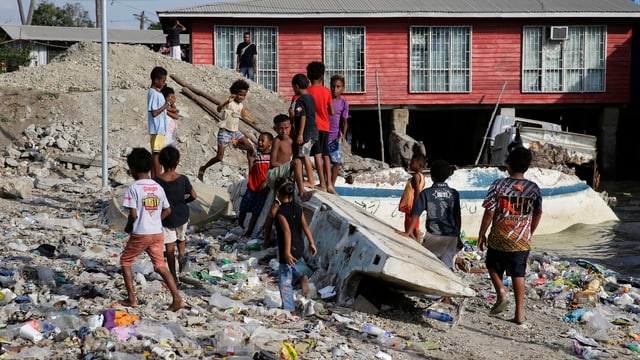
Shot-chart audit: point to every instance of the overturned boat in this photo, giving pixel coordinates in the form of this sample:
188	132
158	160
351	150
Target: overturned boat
354	245
566	200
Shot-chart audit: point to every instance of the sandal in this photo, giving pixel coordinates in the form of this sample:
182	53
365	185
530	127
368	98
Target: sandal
499	307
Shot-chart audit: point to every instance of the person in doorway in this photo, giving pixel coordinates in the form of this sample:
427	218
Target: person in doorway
513	208
173	34
247	58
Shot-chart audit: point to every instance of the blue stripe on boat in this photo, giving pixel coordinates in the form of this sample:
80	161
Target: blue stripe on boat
464	194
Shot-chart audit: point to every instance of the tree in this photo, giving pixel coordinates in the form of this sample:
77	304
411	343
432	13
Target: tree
155	26
11	58
70	15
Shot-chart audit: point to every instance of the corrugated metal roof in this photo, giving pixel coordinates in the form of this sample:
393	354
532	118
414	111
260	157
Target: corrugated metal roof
57	33
411	8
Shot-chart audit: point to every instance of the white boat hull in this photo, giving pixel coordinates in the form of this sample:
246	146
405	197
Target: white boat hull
567	200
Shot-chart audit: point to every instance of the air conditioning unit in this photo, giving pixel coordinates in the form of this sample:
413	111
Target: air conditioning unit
559	33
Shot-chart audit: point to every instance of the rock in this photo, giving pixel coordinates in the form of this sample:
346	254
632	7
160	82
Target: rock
48	183
16	188
62	144
11	162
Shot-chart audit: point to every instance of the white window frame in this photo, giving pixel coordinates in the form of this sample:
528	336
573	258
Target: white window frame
544	72
428	71
226	58
347	72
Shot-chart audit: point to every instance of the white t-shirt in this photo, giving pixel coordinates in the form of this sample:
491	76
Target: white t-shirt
149	199
169	138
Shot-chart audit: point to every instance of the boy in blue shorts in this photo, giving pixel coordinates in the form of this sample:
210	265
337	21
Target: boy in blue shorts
257	190
306	133
513	208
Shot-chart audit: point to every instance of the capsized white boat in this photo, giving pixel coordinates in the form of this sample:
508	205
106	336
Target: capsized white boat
353	244
566	200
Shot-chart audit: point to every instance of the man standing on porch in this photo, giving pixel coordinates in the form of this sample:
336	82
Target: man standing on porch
247	59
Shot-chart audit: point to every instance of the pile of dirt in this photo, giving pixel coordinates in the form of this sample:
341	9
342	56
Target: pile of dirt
67	93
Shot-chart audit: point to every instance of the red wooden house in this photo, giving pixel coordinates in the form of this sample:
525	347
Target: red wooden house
437	67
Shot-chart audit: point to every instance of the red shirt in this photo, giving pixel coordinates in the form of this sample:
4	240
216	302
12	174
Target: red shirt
258	172
322	97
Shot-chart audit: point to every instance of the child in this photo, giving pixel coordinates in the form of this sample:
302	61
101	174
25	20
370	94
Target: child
337	126
157	115
175	186
172	116
442	204
148	206
513	208
257	190
306	132
281	150
228	132
411	192
278	168
290	224
324	108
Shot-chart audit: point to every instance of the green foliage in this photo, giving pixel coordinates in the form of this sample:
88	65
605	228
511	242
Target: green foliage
155	26
41	95
11	58
70	15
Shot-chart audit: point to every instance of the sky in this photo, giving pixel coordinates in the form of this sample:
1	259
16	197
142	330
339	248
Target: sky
119	12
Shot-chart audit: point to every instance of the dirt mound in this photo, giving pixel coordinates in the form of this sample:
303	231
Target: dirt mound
67	94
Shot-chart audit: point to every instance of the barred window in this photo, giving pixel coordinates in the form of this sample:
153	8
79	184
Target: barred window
227	39
344	54
440	59
574	63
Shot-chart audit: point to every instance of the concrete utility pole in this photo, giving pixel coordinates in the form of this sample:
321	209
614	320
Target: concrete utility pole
143	18
32	8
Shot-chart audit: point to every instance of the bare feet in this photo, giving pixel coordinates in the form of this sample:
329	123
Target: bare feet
319	187
331	190
128	303
201	171
307	184
177	305
305	288
306	195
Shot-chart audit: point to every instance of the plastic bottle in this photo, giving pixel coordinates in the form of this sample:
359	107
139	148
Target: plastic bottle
432	314
391	341
374	330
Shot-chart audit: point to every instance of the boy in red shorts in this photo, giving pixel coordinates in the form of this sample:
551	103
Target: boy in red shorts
148	205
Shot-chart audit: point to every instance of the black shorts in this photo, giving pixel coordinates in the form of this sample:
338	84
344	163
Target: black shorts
514	263
322	145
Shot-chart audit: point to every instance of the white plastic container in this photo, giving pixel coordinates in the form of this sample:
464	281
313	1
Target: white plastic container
28	332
